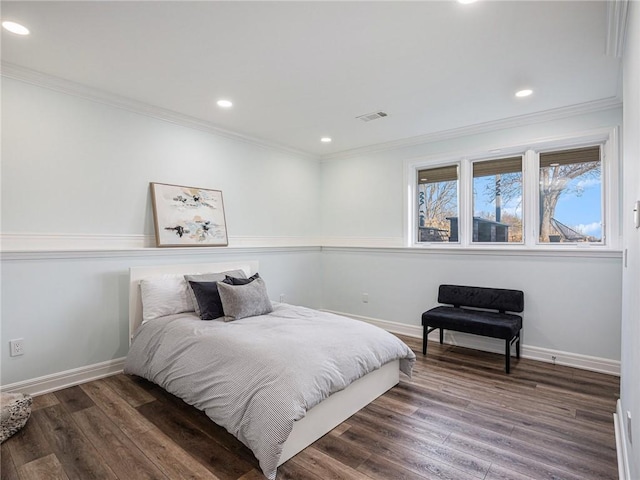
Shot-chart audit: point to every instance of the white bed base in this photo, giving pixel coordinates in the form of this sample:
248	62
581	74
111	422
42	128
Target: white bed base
320	419
330	413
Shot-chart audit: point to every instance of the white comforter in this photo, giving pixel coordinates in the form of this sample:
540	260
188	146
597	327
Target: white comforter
257	375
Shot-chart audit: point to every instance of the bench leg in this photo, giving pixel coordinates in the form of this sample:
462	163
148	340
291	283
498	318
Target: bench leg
518	344
507	354
426	331
425	334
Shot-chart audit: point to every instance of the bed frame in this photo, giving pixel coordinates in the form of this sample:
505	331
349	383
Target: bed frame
320	419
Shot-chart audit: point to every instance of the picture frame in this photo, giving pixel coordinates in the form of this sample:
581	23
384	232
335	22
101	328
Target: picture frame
188	216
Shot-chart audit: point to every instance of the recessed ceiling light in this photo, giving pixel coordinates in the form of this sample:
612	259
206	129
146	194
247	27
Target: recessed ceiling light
524	93
225	103
16	28
325	139
467	2
495	150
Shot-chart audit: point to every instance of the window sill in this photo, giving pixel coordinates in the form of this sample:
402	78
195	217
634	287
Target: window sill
502	250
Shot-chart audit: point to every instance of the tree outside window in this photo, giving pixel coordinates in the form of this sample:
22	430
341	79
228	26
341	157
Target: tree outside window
497	200
438	204
571	196
570	199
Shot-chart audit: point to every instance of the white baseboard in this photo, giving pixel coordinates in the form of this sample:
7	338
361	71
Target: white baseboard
624	471
576	360
68	378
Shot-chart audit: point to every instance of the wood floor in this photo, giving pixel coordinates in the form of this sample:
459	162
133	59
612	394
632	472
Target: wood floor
460	417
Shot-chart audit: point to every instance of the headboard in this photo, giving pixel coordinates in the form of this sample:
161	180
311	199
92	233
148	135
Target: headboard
138	273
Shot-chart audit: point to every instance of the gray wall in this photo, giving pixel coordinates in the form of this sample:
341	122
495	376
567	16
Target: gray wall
572	304
72	308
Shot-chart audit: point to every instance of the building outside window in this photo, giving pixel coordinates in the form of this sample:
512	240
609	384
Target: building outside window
497	200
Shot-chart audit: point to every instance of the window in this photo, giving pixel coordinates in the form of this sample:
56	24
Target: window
497	200
438	204
571	196
553	194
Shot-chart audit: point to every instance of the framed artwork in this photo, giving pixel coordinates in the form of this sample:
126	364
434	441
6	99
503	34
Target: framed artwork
188	216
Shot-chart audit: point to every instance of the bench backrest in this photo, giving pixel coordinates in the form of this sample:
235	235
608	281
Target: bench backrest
501	299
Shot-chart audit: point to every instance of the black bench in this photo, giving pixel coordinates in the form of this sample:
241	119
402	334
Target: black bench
498	324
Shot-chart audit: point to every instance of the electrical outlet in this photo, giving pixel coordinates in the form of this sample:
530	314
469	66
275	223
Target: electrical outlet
365	298
281	298
17	347
553	359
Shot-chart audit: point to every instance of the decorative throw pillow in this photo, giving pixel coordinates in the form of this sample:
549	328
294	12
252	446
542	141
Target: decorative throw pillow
208	299
209	277
241	280
240	301
164	295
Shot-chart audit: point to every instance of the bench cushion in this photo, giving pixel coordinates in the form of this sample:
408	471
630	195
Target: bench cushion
479	322
481	297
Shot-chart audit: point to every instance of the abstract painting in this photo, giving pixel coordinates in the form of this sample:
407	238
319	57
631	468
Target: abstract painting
188	216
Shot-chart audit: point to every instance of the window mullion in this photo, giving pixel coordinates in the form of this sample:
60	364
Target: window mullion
530	187
466	200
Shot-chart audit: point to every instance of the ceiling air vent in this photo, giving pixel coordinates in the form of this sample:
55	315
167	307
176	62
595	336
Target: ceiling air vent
371	116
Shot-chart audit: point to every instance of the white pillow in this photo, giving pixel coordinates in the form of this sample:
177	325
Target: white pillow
164	295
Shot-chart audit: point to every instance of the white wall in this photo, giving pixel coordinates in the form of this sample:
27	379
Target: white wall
74	167
572	302
630	375
362	195
71	165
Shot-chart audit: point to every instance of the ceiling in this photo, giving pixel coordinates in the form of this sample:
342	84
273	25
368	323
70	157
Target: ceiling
298	71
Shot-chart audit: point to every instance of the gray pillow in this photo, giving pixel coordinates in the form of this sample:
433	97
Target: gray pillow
240	301
209	277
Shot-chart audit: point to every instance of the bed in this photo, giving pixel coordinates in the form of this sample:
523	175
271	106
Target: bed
314	391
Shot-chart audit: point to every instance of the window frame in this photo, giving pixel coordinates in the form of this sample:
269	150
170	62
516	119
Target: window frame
603	197
498	156
416	208
530	151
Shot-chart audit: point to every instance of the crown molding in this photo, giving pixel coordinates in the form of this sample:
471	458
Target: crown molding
69	87
32	242
617	11
518	121
29	246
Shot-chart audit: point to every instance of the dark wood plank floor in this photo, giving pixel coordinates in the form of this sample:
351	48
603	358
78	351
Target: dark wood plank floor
460	417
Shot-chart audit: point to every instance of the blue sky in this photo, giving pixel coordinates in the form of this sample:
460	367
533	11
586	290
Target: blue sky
584	212
580	212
